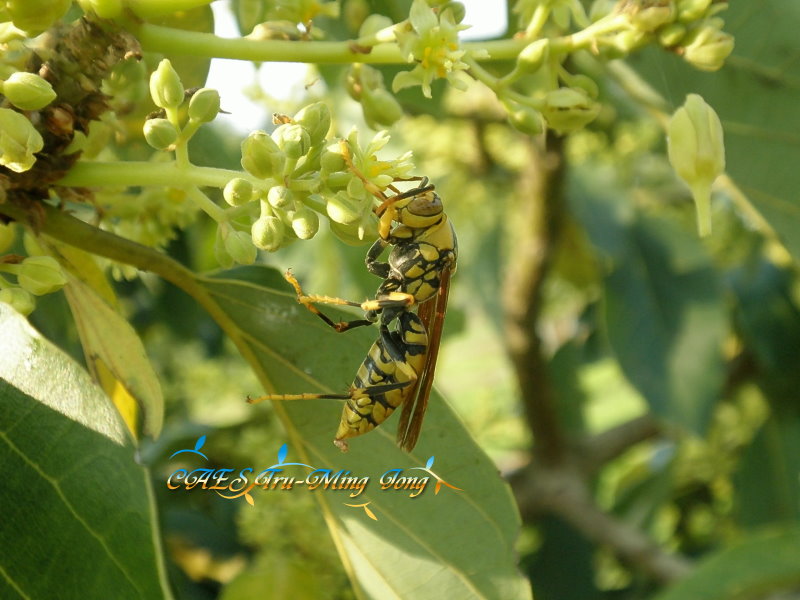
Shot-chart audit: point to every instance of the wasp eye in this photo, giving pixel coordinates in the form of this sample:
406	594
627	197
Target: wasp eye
427	204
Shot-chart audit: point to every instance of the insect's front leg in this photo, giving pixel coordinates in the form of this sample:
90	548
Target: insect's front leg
374	266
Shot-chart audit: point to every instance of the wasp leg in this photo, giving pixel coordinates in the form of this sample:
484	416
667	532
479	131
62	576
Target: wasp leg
371	307
374	266
353	393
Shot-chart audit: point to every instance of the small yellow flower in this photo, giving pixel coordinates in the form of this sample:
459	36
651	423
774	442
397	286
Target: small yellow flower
432	41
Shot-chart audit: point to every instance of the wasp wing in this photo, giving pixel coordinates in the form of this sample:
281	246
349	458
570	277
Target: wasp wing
432	315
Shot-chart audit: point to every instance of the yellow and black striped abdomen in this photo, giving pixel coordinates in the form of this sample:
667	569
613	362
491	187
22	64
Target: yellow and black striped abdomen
386	378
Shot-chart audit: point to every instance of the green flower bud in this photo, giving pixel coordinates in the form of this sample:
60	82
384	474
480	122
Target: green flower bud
7	235
374	24
381	108
649	15
34	16
355	234
293	139
261	156
204	105
316	118
692	10
629	40
19	141
586	83
160	133
533	56
696	150
240	246
707	47
332	160
249	13
28	91
106	9
238	191
268	233
280	197
569	109
305	222
525	119
457	11
18	299
40	275
165	86
341	208
671	35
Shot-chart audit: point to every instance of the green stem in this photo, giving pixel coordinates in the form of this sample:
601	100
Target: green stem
156	38
143	173
206	205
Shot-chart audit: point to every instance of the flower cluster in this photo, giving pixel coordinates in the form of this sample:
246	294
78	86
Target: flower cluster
35	275
303	174
431	39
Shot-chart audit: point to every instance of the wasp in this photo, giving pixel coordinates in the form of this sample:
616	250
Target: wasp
398	370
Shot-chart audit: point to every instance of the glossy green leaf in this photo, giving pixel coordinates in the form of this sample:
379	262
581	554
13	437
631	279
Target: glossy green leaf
78	518
753	568
755	95
455	544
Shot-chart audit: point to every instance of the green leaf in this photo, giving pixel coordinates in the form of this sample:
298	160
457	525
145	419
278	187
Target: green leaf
753	568
664	309
110	342
421	547
761	126
666	322
78	517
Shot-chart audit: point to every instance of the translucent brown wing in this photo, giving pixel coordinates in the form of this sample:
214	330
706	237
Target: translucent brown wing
432	315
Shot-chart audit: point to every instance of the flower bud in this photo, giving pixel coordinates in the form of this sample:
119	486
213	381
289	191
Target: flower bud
240	246
696	150
204	105
332	160
34	16
525	119
293	139
28	91
341	208
628	40
316	118
671	35
533	55
457	11
18	299
375	23
358	233
261	156
249	13
692	10
652	14
165	86
19	140
106	9
7	236
238	191
305	222
381	108
586	83
268	233
707	47
40	275
569	109
160	133
280	197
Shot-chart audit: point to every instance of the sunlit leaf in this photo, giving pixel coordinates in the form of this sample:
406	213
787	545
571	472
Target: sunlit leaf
78	516
110	342
434	537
